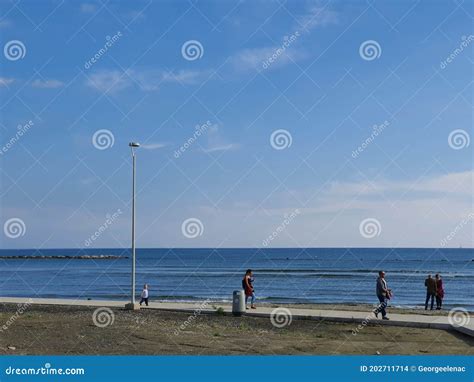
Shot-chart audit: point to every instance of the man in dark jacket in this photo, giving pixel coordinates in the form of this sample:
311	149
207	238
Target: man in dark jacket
383	294
431	290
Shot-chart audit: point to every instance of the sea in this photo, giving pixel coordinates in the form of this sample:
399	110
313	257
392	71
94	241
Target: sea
282	275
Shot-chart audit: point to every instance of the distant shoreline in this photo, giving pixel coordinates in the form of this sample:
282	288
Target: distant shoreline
224	248
65	257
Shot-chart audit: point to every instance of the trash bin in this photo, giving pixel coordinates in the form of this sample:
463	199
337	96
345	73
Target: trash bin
238	303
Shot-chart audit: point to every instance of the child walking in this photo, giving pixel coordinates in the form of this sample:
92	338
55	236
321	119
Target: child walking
144	295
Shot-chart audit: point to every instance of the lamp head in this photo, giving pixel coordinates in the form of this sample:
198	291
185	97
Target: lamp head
134	144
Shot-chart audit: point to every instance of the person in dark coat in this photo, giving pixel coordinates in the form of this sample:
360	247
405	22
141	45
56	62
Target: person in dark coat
430	284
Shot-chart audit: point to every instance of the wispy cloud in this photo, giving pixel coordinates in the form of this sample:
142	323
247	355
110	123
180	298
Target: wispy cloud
153	146
4	82
187	77
146	80
254	58
227	147
47	84
453	183
317	16
109	81
216	142
88	8
280	55
5	23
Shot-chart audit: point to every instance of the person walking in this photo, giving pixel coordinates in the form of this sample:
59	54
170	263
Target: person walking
383	294
247	285
430	284
439	291
144	298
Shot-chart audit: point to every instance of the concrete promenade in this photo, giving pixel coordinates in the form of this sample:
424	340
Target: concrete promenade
396	319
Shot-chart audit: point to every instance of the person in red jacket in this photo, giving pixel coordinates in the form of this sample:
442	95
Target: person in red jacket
439	291
247	285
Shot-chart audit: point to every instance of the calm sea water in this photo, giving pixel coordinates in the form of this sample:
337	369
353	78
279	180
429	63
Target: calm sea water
281	275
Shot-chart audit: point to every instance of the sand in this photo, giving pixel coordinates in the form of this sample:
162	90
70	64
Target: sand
68	330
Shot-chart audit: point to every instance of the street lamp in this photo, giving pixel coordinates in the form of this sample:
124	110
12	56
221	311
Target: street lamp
133	305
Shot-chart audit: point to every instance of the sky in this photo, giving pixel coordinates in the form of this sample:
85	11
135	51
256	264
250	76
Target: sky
261	124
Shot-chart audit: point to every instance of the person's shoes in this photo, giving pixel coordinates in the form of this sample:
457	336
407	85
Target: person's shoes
253	307
247	307
385	318
376	314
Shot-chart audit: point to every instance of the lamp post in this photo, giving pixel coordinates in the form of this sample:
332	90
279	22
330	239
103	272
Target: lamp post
133	305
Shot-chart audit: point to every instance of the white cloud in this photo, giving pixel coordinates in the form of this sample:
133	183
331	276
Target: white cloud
88	8
4	82
254	58
5	23
109	81
279	55
225	147
113	81
153	146
47	84
189	77
317	16
453	183
412	215
216	142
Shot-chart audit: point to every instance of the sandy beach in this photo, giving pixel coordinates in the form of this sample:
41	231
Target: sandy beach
71	330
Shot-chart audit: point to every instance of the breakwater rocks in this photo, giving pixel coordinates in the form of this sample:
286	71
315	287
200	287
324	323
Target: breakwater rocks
66	257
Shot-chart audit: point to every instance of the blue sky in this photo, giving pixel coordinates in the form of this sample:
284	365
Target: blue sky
322	92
